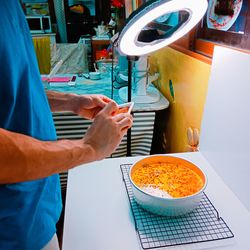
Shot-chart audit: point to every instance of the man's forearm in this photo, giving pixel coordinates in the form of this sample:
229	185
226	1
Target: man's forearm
24	158
60	101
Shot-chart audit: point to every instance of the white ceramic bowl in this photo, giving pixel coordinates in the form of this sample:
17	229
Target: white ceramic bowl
94	75
167	206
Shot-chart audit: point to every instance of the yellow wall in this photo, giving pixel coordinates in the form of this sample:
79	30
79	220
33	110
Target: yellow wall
42	49
189	77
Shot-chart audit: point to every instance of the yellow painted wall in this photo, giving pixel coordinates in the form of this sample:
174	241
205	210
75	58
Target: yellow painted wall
190	80
42	49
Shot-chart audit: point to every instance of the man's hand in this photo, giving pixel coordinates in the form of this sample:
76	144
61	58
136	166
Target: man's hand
107	131
88	106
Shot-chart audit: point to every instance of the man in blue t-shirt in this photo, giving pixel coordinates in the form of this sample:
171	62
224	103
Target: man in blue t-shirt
31	157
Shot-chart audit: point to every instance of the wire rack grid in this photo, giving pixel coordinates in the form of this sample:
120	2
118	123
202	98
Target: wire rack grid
202	225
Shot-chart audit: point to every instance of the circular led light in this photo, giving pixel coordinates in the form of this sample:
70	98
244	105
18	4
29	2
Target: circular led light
128	39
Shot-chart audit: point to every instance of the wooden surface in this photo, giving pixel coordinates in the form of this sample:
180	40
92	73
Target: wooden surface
206	47
193	54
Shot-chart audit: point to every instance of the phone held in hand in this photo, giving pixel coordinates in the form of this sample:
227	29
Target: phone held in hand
125	108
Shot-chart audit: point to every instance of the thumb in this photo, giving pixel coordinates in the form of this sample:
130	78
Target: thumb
110	108
102	102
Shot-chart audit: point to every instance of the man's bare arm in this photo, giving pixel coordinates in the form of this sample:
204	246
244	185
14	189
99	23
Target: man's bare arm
24	158
86	106
59	101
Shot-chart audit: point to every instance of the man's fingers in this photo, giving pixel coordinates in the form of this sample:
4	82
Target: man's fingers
110	108
102	101
106	99
121	116
124	120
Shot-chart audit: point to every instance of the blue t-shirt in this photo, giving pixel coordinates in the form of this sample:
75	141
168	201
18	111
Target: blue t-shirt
28	210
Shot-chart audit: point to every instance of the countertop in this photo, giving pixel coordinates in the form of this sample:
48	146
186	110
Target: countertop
104	86
98	214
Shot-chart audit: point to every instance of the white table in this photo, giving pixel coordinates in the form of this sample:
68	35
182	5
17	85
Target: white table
98	214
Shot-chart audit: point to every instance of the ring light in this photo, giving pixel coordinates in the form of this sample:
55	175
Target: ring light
138	37
128	42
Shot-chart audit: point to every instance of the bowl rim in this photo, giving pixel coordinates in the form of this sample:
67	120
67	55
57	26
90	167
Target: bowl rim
94	73
165	198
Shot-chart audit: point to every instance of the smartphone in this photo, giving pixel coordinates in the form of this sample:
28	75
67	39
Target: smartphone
125	107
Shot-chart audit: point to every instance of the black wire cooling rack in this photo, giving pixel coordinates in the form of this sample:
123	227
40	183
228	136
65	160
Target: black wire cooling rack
202	225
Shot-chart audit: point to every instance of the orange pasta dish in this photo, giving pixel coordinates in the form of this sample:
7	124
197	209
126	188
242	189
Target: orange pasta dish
175	179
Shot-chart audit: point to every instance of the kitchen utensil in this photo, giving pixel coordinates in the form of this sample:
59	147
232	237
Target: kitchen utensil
94	75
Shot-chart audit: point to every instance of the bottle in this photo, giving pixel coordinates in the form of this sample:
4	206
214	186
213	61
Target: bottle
112	24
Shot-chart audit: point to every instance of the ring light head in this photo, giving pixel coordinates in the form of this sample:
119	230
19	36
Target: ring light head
152	17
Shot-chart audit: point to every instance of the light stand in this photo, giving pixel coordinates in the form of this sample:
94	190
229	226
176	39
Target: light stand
130	59
130	66
149	16
143	91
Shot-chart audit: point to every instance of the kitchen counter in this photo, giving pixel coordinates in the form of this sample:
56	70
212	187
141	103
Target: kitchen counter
98	214
104	86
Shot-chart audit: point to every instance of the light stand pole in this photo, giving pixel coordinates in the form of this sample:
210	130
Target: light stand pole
130	59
